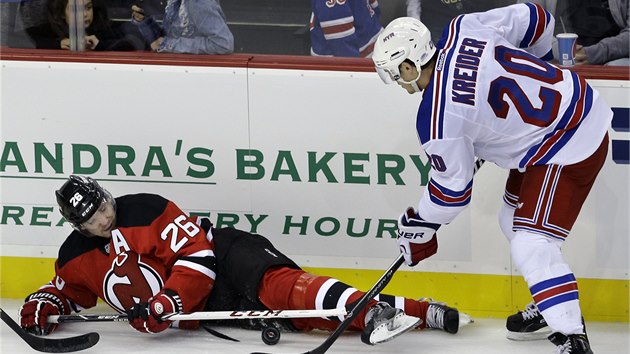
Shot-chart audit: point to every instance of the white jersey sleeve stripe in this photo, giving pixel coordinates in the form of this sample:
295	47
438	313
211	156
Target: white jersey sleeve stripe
198	267
538	20
446	197
203	253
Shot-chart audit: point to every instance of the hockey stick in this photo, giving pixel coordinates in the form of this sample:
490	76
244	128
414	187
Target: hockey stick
50	345
370	294
209	315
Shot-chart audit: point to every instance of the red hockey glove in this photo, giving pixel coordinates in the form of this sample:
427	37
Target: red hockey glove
147	316
35	311
416	238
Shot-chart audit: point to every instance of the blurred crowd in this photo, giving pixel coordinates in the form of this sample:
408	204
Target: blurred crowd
342	28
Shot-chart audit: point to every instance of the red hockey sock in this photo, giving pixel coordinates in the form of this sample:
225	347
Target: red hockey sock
285	288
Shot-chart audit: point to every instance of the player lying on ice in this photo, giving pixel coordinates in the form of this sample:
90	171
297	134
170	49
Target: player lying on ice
488	93
145	247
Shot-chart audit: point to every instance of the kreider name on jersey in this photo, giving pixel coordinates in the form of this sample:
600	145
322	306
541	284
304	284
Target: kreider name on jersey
465	73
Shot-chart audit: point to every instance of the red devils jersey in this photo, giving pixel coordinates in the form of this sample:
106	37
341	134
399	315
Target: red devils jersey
155	246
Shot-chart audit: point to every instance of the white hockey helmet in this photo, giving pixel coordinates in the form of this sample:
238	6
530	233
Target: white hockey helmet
404	38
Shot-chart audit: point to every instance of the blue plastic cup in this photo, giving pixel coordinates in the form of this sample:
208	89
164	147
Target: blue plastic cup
566	48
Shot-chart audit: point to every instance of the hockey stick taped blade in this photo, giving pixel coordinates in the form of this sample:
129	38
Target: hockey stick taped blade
66	345
50	345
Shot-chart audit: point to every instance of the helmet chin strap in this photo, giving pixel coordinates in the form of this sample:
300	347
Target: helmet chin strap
413	83
415	87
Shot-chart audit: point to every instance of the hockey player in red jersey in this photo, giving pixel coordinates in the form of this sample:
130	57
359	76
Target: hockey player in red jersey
143	255
488	93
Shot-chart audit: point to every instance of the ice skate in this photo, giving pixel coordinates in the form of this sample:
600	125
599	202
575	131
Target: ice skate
571	344
527	325
383	323
446	318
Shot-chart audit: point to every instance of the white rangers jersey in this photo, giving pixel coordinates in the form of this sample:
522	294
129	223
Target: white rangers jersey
493	96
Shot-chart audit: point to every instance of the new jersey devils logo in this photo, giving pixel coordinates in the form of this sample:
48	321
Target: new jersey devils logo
131	280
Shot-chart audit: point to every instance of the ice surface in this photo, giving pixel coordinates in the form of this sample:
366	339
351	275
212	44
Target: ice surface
484	336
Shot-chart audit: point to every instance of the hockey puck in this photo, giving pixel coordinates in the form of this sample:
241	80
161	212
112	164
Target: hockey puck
270	335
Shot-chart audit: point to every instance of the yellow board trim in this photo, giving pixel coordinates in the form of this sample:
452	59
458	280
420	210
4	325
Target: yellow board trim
479	295
20	276
490	296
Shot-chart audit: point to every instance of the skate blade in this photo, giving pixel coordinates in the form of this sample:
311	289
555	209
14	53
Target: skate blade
540	334
465	319
383	334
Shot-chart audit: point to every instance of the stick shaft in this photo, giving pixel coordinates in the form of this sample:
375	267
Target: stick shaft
370	294
209	315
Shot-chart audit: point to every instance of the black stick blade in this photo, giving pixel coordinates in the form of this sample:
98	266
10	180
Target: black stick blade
50	345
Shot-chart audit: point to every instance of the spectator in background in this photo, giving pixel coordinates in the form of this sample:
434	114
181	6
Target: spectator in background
100	32
196	27
344	28
601	26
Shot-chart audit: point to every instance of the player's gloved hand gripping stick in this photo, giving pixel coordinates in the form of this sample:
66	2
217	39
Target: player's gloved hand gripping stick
417	238
147	316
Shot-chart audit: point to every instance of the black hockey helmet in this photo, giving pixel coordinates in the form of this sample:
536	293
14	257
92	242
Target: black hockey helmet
79	198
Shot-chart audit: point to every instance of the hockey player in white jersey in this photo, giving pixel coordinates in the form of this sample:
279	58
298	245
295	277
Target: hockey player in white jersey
488	93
